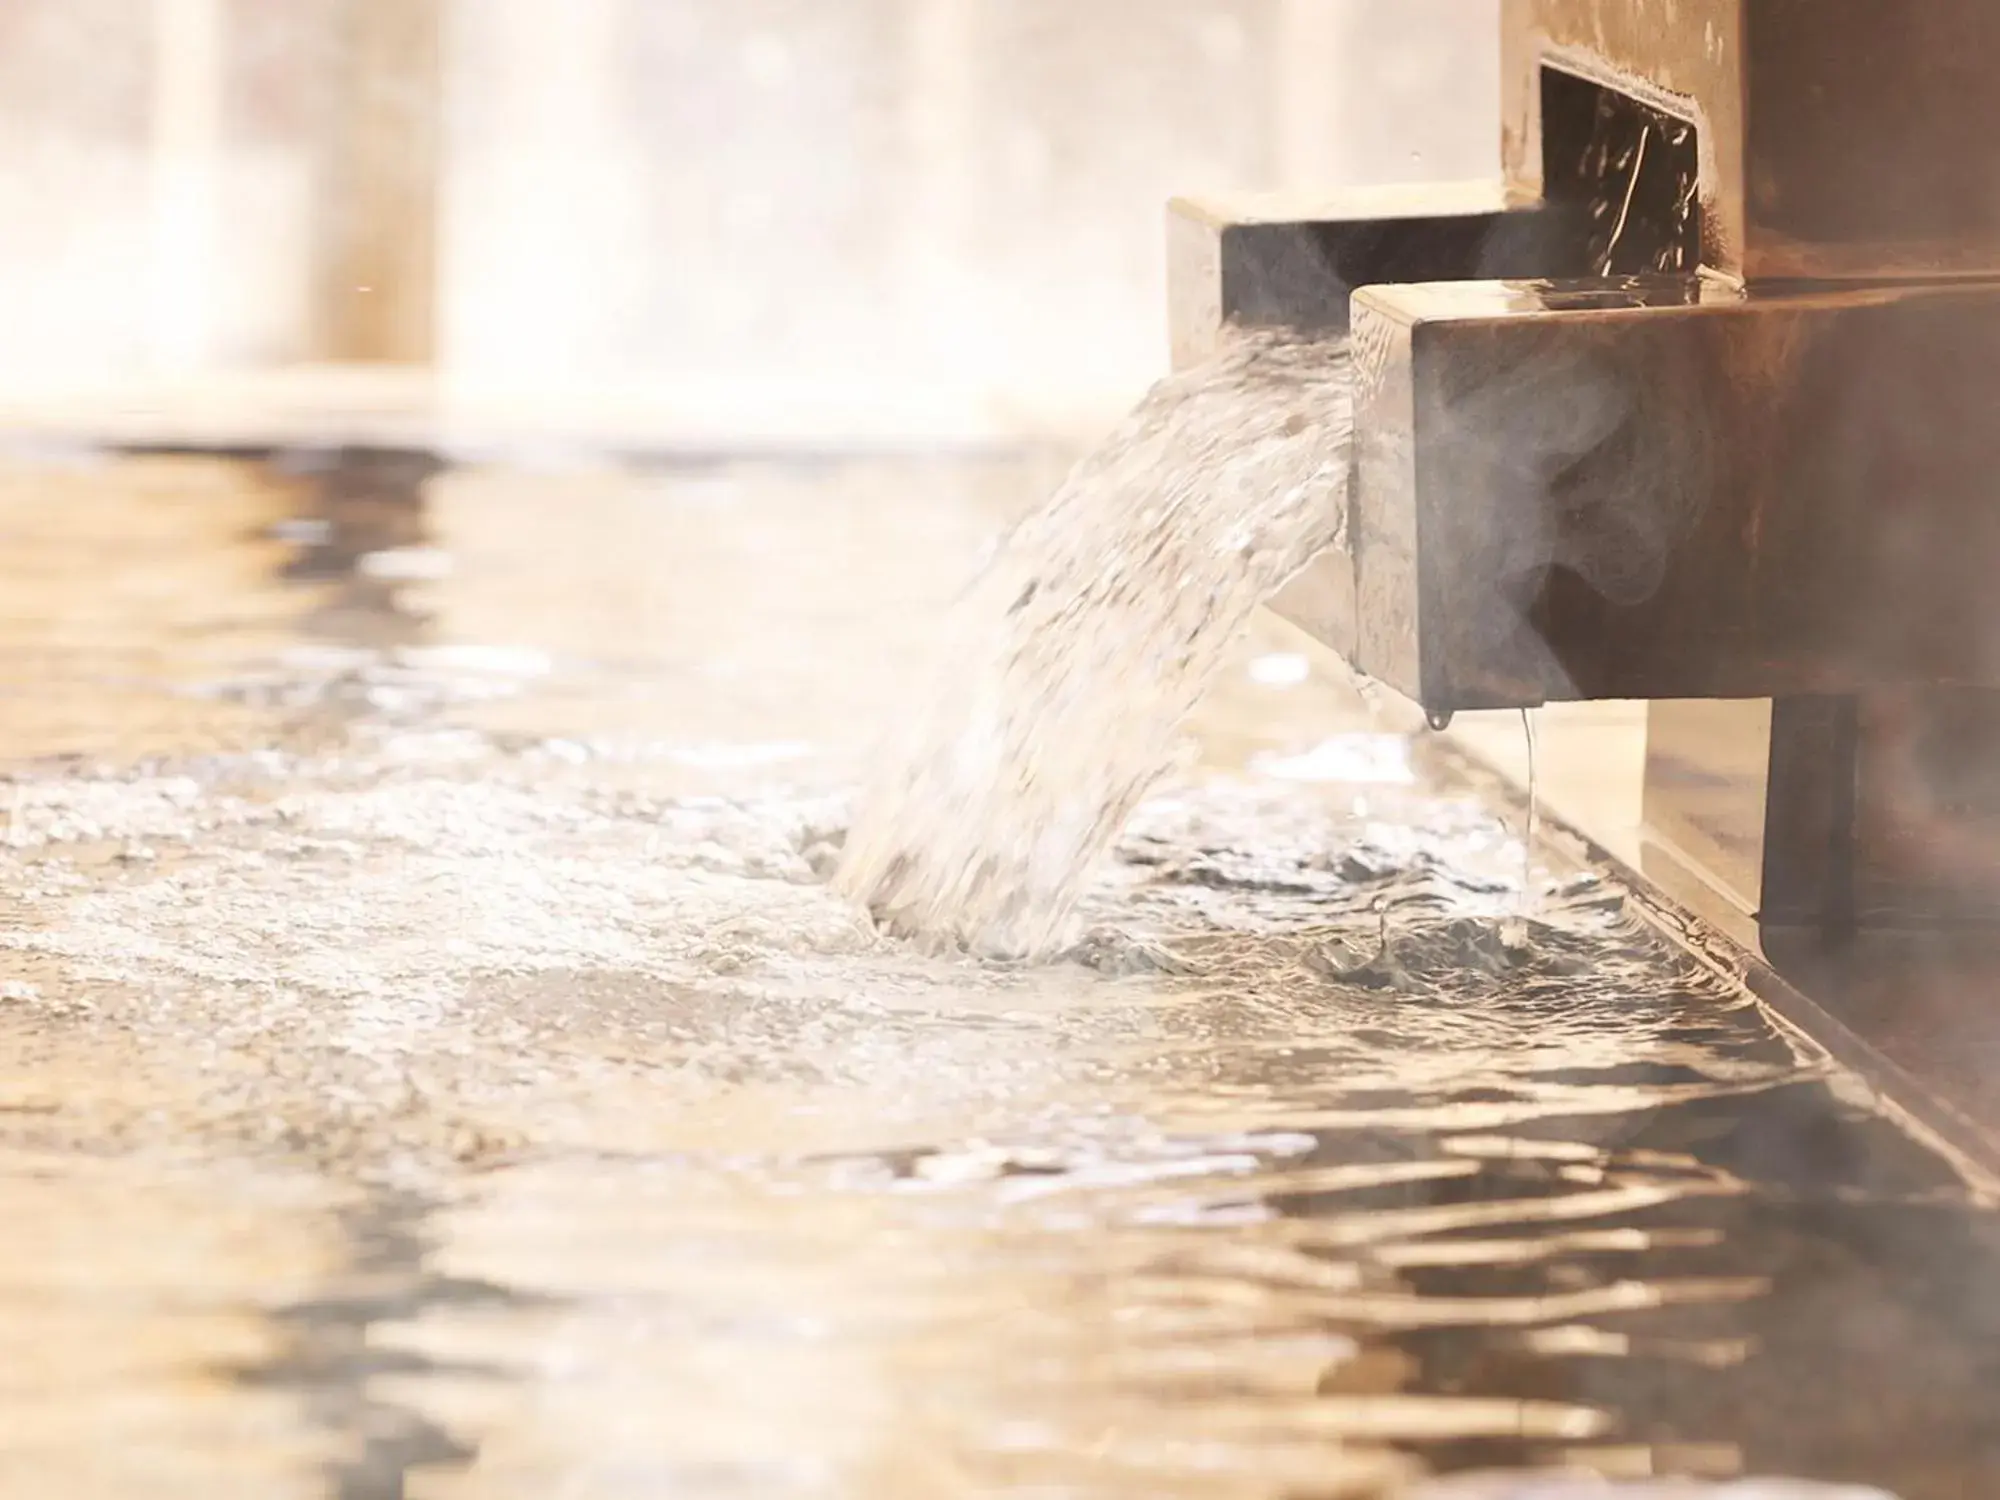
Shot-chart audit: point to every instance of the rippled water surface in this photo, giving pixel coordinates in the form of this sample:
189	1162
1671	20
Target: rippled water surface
437	1068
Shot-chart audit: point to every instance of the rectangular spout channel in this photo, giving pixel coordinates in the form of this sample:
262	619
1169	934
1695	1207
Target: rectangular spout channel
1674	489
1264	260
1286	260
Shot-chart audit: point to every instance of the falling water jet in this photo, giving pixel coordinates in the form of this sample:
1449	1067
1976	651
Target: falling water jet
1072	661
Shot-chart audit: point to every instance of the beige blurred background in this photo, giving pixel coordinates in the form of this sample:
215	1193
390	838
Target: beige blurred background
892	219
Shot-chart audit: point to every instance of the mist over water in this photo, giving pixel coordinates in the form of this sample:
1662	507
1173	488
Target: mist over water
1071	662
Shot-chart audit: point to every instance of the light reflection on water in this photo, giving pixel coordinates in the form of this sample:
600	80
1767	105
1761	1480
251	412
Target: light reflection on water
435	1078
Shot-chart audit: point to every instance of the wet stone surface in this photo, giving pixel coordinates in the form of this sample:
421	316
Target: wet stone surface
436	1065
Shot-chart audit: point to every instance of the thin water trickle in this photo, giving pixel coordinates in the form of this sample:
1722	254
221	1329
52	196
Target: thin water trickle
1515	931
1529	830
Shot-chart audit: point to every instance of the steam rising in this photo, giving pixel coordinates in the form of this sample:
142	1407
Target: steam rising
1562	454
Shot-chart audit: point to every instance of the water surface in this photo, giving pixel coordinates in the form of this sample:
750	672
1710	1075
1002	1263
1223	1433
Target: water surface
436	1067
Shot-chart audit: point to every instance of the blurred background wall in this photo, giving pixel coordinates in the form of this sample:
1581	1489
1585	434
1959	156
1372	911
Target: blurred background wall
895	216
